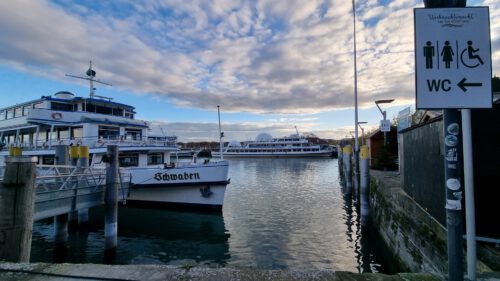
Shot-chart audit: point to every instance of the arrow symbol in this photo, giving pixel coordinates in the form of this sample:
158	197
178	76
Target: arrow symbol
462	84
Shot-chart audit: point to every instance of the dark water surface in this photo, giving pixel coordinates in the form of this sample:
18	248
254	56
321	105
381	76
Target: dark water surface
278	214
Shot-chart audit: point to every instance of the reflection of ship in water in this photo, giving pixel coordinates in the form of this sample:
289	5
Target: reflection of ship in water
168	236
149	236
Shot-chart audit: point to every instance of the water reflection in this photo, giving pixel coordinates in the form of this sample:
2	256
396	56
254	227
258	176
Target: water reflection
145	237
278	214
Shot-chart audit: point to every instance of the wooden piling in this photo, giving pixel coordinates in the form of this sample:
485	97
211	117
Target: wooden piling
111	200
17	204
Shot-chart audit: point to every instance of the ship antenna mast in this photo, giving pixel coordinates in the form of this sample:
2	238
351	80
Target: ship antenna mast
221	135
296	130
91	78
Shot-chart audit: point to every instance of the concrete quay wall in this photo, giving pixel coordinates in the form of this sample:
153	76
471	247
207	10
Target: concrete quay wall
70	272
417	239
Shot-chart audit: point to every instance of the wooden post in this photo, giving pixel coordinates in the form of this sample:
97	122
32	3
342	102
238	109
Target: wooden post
111	200
17	204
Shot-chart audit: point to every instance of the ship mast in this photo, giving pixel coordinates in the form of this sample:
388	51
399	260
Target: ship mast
91	78
221	134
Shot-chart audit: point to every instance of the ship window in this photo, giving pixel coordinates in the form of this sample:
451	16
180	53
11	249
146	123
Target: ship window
63	134
26	109
38	105
90	107
61	106
109	132
103	110
2	115
48	160
117	111
18	112
10	113
155	158
133	134
129	160
77	133
129	114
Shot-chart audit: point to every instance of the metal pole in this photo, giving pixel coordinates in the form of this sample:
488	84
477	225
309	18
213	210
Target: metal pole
347	153
83	163
111	201
61	221
451	121
220	134
385	133
470	219
356	141
364	185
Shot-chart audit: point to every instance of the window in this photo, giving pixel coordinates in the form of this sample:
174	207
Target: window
2	115
38	105
77	133
18	112
61	106
109	132
117	111
133	134
10	113
26	109
129	160
63	134
48	160
103	110
155	158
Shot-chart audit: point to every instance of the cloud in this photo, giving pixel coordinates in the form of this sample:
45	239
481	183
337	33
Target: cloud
251	56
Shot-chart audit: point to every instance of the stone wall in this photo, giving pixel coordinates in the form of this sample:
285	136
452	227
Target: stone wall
410	232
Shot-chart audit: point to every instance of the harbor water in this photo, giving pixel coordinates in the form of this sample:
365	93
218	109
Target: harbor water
278	214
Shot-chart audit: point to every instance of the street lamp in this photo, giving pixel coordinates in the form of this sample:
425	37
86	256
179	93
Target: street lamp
384	114
362	132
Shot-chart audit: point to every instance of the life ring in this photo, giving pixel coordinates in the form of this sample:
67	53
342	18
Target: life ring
56	115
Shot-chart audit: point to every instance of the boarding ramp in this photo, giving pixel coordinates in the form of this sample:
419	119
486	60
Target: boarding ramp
64	189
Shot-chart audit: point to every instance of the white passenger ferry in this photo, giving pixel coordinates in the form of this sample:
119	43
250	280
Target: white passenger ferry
265	145
64	119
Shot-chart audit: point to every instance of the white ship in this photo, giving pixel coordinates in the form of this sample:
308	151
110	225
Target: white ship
39	125
265	145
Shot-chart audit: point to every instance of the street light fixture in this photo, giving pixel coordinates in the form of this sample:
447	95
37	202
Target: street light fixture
384	114
362	131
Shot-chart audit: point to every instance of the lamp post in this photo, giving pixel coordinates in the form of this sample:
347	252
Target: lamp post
356	143
362	132
384	114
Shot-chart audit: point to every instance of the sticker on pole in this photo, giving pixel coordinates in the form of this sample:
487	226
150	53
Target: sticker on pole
453	58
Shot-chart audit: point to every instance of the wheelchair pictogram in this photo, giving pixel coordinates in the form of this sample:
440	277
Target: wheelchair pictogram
472	60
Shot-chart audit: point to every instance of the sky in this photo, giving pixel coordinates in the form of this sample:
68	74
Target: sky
270	65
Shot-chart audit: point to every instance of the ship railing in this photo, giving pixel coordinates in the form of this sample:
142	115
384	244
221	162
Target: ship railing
94	142
51	178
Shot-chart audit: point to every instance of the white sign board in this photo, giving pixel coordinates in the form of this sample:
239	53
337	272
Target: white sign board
385	125
453	58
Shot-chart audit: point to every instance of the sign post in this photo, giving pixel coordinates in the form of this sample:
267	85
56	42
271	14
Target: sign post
453	71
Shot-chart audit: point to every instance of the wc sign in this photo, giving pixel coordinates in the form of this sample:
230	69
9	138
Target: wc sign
453	58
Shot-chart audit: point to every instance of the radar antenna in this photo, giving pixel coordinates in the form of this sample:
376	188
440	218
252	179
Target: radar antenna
91	78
